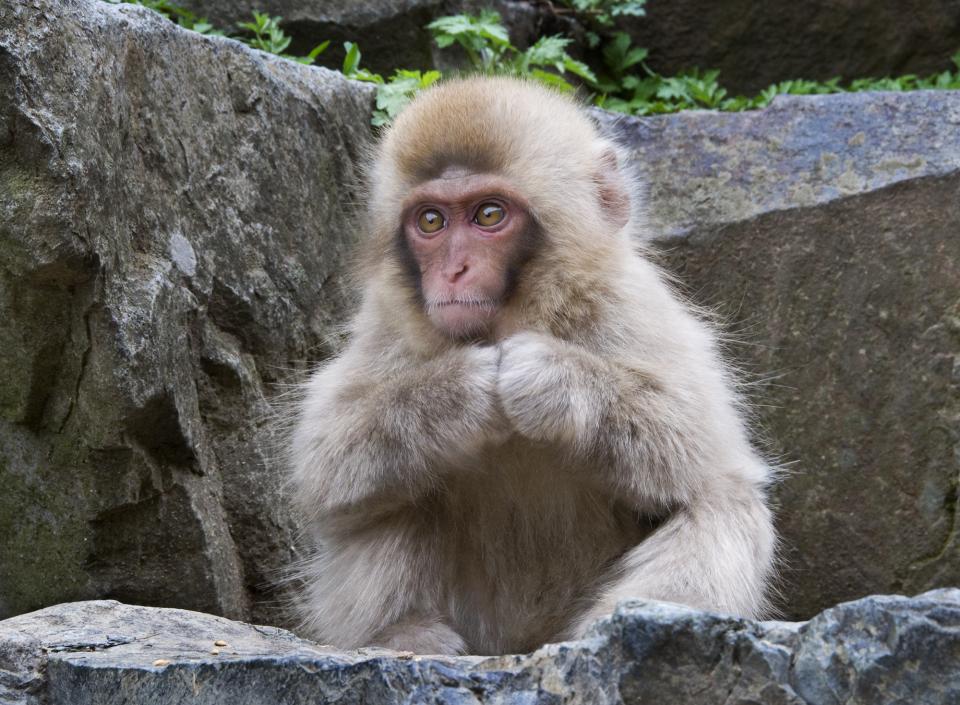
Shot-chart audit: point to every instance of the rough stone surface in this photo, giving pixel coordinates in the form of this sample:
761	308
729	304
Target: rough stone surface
173	229
827	232
876	650
707	169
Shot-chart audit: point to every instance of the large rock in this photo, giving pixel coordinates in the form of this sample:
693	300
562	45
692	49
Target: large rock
827	231
875	651
173	221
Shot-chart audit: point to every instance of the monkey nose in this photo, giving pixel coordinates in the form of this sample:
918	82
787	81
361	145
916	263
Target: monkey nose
456	271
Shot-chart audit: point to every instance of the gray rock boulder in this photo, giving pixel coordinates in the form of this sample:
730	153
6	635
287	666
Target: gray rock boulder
825	230
876	650
173	226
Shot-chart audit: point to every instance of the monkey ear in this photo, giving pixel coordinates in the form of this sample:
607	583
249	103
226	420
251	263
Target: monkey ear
612	190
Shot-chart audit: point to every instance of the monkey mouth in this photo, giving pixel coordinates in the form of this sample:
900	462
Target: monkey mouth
467	303
463	316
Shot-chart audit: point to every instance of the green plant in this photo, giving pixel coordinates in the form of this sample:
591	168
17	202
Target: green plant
598	15
269	37
182	16
483	38
393	94
619	56
266	31
602	12
628	85
487	45
625	89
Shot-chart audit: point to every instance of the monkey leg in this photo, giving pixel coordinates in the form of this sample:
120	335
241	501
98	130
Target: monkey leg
715	555
421	635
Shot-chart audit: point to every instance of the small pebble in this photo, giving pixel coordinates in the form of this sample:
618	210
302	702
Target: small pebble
219	642
161	662
214	652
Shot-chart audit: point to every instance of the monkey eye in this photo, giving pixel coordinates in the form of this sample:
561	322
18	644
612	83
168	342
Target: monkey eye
430	221
489	214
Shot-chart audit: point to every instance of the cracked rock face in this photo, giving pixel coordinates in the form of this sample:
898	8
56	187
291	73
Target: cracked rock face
173	229
872	651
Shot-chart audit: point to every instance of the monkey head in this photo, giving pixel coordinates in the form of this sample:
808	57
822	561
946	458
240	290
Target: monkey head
476	185
463	238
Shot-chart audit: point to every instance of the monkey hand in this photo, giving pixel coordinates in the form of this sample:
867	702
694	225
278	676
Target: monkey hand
545	389
484	421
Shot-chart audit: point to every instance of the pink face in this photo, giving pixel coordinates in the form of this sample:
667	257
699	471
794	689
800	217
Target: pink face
468	234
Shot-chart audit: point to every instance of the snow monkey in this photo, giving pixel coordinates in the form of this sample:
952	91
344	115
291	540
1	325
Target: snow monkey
527	424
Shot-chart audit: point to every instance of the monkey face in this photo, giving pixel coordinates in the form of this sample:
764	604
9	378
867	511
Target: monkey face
465	236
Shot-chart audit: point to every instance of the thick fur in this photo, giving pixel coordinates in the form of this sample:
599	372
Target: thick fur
489	496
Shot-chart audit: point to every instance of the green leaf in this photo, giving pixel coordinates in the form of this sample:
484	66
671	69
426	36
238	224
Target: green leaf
482	37
634	9
548	51
552	79
394	95
578	68
674	89
352	60
619	56
486	25
318	50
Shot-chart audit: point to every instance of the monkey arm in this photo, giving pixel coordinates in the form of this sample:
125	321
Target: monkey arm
646	437
652	442
374	433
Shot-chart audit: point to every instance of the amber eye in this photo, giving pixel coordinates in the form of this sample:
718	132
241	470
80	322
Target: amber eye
489	214
430	221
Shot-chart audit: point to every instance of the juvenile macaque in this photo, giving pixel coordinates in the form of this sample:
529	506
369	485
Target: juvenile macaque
527	425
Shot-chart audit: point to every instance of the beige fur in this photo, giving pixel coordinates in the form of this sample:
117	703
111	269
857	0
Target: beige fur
489	497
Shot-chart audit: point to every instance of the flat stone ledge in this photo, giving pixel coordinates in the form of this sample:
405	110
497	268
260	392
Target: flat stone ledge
880	649
704	169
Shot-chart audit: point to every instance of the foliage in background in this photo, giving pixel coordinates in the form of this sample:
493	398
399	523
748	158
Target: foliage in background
392	95
625	83
622	81
182	16
648	93
268	37
602	12
598	15
487	46
265	30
